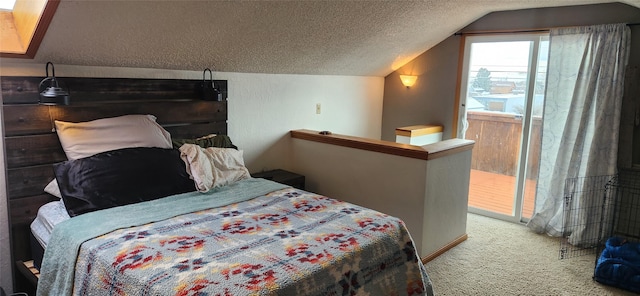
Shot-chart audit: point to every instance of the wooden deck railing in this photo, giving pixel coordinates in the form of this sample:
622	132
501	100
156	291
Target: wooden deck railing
498	139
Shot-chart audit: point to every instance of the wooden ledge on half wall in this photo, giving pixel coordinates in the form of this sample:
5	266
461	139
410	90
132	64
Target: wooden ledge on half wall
427	152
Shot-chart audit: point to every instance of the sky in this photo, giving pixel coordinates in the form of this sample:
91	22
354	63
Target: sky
509	57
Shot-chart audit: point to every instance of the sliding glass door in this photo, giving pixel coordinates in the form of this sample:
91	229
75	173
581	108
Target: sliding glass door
501	98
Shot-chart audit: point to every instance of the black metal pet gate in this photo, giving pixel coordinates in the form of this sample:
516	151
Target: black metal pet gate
599	208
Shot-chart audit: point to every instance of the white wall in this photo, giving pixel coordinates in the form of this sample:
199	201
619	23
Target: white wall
391	184
430	196
447	193
263	108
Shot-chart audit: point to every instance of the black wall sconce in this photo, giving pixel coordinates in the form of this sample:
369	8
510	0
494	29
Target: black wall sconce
52	94
207	89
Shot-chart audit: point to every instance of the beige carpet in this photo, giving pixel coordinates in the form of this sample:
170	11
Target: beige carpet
502	258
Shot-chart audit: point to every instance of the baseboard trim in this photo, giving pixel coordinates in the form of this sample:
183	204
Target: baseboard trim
441	251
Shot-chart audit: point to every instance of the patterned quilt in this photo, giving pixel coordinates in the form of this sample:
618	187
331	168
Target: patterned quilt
288	242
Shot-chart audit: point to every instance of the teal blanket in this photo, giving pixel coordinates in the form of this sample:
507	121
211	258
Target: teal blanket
57	271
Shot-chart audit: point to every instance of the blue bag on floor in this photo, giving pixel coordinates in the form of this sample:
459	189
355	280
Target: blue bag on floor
619	265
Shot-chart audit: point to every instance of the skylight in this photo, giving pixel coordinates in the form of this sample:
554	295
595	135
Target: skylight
24	25
7	4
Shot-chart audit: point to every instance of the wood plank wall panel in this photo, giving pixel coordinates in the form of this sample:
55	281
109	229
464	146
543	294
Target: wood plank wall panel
25	90
32	146
20	242
194	131
39	119
28	181
25	209
25	120
32	150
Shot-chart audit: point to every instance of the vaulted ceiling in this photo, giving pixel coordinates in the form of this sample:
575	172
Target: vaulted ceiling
368	38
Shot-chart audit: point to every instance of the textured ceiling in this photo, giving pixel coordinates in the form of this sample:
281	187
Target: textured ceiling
368	38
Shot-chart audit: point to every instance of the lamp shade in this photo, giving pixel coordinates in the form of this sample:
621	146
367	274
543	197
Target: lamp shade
52	94
408	80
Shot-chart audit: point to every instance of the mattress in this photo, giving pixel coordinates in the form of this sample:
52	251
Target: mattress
48	216
241	239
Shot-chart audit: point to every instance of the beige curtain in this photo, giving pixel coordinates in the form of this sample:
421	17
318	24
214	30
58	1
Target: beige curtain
580	122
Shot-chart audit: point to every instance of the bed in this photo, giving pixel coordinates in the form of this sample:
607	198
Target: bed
245	236
283	242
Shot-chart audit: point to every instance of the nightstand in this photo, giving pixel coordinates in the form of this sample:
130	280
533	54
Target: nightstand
282	176
28	281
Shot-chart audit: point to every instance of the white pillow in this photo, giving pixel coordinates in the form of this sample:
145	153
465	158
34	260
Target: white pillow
85	139
213	167
53	189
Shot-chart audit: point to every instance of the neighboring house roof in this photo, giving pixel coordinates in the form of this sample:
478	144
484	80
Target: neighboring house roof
363	38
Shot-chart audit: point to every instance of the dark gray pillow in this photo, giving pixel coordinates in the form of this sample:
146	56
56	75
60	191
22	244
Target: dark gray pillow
120	177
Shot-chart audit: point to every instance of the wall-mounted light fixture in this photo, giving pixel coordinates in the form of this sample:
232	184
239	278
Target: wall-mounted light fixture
52	94
208	89
408	80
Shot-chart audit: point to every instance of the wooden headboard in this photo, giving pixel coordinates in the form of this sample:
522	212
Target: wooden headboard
32	146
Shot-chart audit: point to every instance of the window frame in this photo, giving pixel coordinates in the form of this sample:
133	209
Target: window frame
24	28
